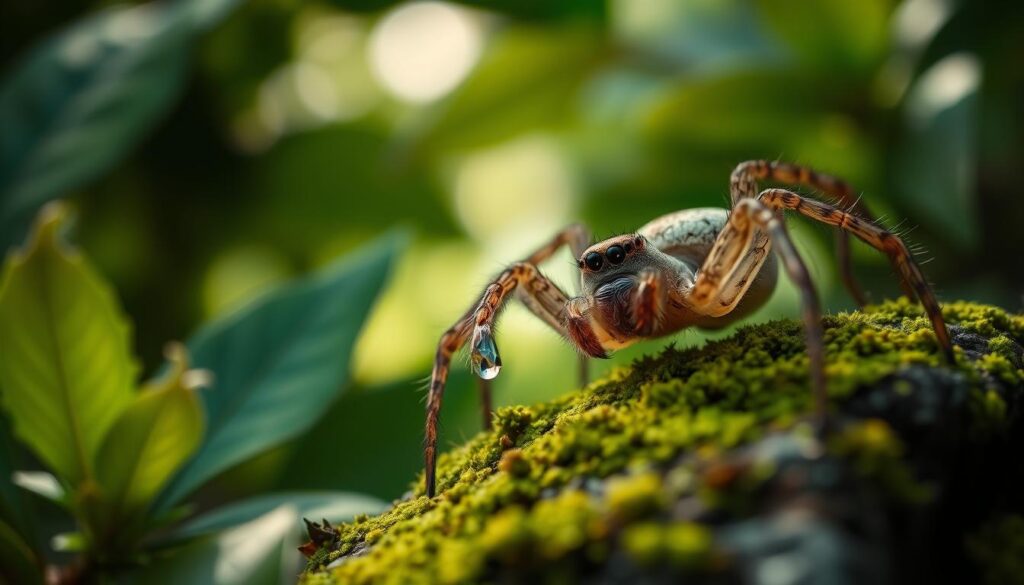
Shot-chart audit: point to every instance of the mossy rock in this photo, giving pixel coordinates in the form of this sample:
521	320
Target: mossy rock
700	465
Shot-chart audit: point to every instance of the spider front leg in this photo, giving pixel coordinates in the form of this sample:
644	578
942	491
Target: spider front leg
576	237
540	295
738	251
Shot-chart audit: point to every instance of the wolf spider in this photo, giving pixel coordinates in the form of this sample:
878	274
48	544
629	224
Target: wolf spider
704	268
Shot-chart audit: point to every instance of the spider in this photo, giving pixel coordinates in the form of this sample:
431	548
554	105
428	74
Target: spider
705	267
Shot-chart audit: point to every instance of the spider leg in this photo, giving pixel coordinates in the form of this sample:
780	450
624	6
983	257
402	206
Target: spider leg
540	295
577	237
876	237
648	301
740	249
451	341
580	332
743	184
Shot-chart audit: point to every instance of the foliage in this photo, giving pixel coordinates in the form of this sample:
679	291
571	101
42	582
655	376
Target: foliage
67	368
216	149
90	93
68	386
663	461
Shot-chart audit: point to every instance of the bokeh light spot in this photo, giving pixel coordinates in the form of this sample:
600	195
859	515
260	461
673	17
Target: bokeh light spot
421	51
916	21
328	81
516	194
943	85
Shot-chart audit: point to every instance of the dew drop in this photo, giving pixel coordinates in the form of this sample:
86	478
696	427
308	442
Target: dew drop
489	373
484	356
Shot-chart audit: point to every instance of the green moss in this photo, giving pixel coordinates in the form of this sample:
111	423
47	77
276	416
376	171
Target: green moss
531	495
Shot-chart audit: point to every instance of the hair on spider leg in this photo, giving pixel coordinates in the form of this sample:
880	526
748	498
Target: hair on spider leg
856	203
901	231
422	386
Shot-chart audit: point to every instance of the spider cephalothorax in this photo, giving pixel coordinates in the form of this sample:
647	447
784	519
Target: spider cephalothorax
693	268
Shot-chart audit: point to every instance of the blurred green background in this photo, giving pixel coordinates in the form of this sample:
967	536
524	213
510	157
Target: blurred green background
295	131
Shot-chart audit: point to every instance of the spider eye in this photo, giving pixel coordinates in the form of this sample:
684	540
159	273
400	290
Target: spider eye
594	261
628	247
615	254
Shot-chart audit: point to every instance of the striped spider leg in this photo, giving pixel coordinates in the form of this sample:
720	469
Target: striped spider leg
541	296
755	224
743	183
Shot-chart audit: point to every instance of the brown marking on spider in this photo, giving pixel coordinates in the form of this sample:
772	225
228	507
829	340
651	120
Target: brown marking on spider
703	268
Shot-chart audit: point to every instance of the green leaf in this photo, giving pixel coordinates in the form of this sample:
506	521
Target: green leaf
334	506
841	36
251	554
80	101
18	563
83	98
66	372
279	363
152	438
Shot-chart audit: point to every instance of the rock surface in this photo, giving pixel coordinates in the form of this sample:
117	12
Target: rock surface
699	466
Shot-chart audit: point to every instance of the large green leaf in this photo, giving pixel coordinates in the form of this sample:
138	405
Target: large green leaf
66	372
80	101
334	506
151	439
279	363
83	98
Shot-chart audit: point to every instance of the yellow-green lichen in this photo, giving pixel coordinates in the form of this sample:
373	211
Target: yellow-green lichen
531	496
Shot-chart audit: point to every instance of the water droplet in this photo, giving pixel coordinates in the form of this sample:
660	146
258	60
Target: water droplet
489	373
484	356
